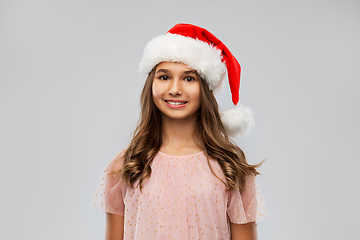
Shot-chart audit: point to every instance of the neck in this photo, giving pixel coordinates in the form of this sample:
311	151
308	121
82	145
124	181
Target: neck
179	136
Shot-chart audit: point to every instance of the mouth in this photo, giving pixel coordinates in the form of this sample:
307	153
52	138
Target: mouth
175	104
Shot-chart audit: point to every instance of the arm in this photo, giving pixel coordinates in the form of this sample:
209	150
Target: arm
114	227
243	231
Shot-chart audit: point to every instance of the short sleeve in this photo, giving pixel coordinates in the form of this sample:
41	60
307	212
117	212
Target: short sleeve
110	190
247	205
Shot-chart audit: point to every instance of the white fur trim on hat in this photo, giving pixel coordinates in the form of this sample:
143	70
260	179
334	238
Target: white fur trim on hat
238	120
204	58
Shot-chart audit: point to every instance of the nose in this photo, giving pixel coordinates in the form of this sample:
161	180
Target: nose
175	87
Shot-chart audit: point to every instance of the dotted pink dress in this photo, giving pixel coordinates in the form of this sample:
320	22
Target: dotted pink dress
181	200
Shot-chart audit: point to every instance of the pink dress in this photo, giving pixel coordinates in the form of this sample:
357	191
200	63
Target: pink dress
182	199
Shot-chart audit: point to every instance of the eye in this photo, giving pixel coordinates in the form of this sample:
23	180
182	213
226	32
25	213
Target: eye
164	77
189	79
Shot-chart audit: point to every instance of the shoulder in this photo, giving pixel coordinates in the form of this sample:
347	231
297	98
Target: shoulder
117	161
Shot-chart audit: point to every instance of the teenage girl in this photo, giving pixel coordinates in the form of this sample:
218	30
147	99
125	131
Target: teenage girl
182	177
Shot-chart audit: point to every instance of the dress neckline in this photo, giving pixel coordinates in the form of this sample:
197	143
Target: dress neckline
181	156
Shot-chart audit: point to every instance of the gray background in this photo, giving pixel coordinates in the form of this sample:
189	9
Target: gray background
69	100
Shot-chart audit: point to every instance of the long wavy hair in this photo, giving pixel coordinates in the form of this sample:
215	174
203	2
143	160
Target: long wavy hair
147	140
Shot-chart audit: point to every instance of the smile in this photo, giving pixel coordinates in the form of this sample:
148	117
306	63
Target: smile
176	104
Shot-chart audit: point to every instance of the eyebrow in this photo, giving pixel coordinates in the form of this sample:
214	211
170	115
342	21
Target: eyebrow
191	71
166	71
162	70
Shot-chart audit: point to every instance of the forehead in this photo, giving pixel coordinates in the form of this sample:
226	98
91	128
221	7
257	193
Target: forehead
174	66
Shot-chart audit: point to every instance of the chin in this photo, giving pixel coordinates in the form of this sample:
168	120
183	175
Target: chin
179	116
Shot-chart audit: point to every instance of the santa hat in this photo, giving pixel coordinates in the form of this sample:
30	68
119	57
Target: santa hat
201	50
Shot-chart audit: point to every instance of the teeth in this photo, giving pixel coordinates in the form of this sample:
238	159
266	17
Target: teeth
175	103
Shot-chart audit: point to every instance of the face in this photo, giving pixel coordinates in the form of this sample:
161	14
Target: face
176	90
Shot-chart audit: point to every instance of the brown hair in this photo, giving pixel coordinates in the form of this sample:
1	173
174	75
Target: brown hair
147	140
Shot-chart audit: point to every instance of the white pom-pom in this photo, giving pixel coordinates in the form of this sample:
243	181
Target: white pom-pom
238	120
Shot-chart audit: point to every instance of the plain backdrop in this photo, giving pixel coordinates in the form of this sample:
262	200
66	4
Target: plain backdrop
69	101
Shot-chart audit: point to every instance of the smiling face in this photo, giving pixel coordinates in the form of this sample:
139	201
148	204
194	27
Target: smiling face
176	90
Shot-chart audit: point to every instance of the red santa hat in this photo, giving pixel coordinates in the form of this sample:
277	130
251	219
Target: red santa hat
202	51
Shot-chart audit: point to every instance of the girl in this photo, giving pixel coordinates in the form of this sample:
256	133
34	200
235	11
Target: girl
182	177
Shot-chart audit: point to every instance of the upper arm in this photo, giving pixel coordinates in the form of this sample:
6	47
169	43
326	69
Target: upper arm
245	231
114	227
246	205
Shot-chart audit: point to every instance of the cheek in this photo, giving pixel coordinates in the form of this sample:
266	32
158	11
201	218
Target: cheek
157	91
195	93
